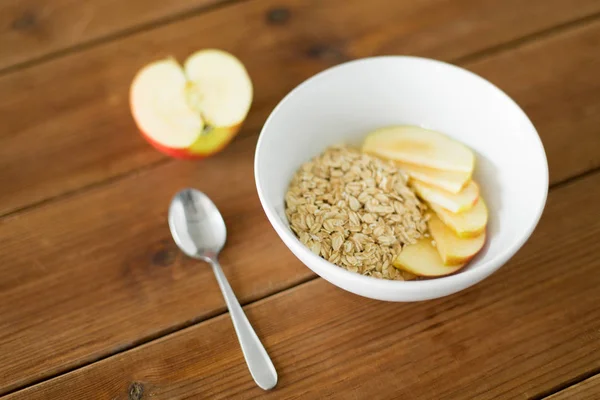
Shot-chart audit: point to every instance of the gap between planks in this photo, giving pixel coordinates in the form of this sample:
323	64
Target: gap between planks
565	385
532	37
120	34
220	313
163	334
471	58
187	14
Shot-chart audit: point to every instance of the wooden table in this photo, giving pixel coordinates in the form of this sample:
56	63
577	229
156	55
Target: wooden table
96	302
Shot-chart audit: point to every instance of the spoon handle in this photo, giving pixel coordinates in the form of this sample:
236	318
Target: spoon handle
260	365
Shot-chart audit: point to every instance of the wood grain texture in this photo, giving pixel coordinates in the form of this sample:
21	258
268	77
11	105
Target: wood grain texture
99	272
30	29
589	389
78	125
556	81
96	272
528	328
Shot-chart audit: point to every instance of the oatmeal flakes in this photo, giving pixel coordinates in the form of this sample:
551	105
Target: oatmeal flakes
354	210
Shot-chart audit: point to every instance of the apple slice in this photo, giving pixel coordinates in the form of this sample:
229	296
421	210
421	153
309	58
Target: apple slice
453	249
194	111
414	145
459	202
466	224
422	259
451	181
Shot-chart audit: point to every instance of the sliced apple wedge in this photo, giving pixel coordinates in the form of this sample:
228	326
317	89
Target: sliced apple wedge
466	224
451	181
456	203
422	259
414	145
194	111
453	249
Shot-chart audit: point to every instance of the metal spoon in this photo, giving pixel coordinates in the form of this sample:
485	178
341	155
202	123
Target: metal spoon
199	231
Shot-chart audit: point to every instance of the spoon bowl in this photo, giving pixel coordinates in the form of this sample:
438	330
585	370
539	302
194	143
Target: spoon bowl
197	225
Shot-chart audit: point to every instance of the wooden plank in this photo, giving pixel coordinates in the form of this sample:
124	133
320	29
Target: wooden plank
526	329
589	389
99	272
93	284
557	82
78	126
36	28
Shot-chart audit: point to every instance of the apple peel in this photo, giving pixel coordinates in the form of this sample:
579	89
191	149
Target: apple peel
194	111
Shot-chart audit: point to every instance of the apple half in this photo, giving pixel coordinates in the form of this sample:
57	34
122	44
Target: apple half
194	111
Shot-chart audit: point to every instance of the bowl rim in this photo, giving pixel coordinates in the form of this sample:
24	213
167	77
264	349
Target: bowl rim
436	283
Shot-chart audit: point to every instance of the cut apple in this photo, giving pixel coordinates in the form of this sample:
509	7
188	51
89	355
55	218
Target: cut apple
451	181
456	203
414	145
452	249
422	259
408	276
465	224
194	111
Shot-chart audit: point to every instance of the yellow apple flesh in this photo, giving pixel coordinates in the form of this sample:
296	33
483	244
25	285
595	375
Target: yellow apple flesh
466	224
422	259
453	202
422	147
451	181
194	111
452	249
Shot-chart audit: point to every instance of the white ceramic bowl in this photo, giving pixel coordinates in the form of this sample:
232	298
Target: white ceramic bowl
346	102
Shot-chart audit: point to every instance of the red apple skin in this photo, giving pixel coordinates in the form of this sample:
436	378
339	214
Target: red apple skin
186	154
182	154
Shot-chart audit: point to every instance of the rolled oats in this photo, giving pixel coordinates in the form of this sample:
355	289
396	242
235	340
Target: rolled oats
355	210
